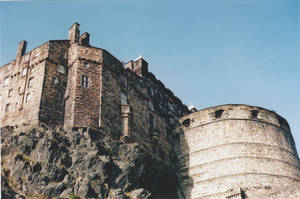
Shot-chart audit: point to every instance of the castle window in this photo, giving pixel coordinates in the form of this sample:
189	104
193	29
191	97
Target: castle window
170	106
281	121
28	97
85	64
84	81
19	90
6	81
218	113
254	113
123	80
150	105
152	91
30	82
24	71
7	108
186	122
124	99
10	92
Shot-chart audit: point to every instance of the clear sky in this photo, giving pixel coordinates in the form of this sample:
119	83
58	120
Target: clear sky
209	52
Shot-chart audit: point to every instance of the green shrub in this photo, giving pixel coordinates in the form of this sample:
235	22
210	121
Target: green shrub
73	196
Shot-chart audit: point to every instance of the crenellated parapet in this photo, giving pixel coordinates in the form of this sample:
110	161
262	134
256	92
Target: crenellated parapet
234	112
232	150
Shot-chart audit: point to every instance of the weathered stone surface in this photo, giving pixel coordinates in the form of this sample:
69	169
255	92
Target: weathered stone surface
226	148
100	167
117	194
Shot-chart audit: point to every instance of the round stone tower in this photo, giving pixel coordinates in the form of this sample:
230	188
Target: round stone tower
235	151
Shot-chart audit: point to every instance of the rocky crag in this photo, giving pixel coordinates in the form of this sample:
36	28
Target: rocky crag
39	162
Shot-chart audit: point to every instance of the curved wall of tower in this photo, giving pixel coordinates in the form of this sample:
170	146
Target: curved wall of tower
235	151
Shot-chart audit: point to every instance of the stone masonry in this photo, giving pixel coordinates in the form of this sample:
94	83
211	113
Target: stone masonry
72	85
229	151
235	151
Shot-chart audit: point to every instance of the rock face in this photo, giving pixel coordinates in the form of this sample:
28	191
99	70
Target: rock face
43	163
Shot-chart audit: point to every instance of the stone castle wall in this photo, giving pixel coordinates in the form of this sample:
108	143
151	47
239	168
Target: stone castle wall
229	147
153	109
83	103
21	86
77	85
52	104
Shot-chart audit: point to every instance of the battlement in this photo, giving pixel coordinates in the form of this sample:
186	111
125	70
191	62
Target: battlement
233	112
232	145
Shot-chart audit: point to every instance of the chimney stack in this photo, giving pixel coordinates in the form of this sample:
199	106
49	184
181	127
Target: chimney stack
21	49
84	39
74	33
140	66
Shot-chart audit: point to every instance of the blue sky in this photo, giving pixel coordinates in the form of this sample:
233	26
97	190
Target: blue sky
209	52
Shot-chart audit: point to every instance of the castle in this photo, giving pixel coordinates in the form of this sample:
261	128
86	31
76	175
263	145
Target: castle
229	151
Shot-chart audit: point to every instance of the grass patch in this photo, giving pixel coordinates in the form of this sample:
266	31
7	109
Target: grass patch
73	196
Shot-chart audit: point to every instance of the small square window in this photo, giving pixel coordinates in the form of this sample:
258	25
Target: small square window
218	113
10	92
7	108
85	64
6	81
30	82
254	113
170	106
150	105
28	97
24	71
123	81
152	91
85	81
